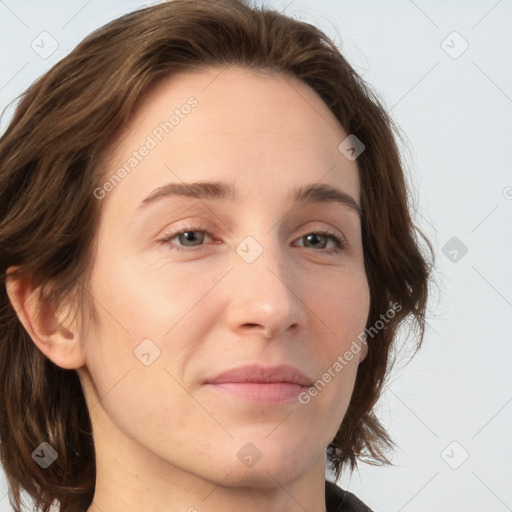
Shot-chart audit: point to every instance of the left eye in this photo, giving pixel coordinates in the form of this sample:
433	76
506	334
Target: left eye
339	242
190	235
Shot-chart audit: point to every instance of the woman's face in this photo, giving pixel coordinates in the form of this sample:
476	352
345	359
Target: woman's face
252	281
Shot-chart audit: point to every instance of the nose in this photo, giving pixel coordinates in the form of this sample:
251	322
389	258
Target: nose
265	294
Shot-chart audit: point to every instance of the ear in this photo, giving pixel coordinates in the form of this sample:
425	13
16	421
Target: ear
45	323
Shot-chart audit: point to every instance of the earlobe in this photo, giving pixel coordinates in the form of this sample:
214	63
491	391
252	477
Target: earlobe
364	351
44	323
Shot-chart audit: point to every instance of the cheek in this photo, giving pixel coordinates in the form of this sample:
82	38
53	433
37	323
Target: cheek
342	309
155	314
342	303
149	299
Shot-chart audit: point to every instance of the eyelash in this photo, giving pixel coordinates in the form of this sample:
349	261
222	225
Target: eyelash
340	242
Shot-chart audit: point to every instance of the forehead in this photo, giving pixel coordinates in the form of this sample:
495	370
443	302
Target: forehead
235	97
234	124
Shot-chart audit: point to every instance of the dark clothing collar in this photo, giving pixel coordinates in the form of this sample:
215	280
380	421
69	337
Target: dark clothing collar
339	500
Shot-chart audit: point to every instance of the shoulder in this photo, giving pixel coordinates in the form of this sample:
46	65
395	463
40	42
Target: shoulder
339	500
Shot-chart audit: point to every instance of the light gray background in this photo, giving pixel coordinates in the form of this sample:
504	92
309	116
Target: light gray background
455	108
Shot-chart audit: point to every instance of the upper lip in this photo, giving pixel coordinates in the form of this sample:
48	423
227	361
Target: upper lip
262	374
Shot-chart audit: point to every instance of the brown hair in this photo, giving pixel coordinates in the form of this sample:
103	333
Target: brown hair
50	156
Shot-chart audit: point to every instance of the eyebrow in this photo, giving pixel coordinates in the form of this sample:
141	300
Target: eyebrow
219	190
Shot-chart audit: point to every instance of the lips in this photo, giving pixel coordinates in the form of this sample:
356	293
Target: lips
261	374
260	385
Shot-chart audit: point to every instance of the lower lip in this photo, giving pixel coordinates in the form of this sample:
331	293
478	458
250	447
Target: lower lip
259	392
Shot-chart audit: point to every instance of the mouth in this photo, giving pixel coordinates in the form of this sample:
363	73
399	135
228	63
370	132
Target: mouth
260	392
259	384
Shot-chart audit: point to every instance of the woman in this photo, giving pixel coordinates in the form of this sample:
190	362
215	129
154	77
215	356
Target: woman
207	252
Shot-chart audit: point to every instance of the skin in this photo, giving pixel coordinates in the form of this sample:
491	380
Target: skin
164	441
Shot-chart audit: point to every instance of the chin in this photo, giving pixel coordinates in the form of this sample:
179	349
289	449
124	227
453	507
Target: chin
264	477
267	466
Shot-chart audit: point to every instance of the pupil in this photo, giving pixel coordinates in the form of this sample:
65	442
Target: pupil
190	236
313	238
